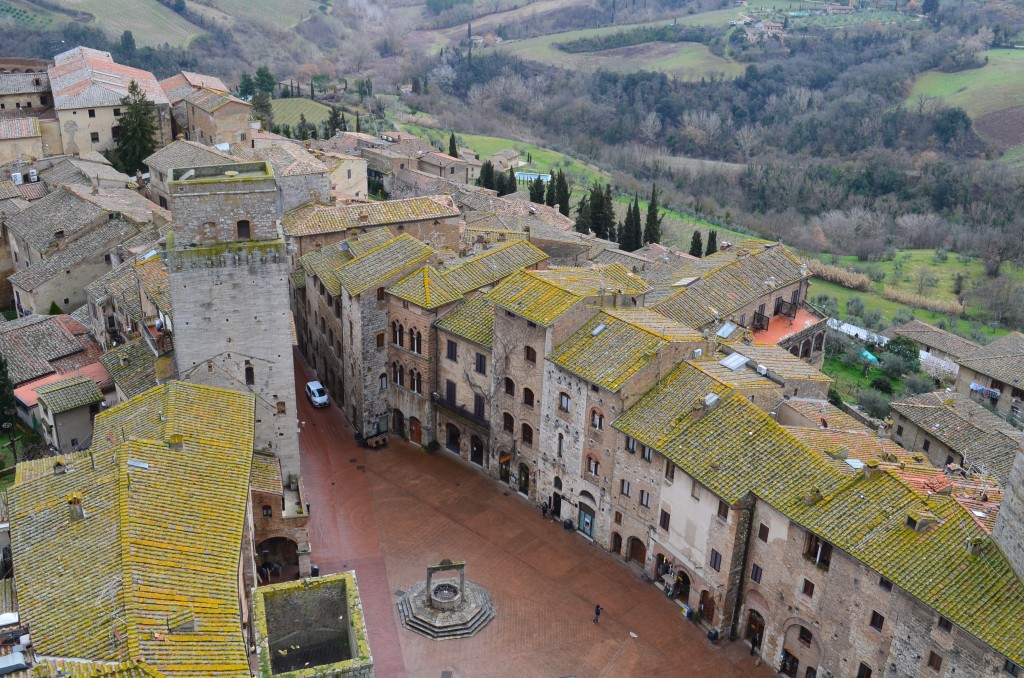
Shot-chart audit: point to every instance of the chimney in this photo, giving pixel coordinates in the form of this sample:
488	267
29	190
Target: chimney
813	497
175	442
364	216
75	509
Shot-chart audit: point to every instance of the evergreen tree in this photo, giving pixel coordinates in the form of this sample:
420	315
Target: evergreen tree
562	194
630	237
334	121
313	134
303	127
246	86
549	193
359	127
138	125
512	183
344	123
501	183
537	191
597	212
55	309
486	178
453	148
712	243
264	80
416	89
583	223
652	227
696	245
312	90
262	110
7	402
286	130
608	204
128	43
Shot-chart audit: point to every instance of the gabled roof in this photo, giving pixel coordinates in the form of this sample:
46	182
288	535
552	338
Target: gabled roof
69	394
933	337
62	210
986	441
534	298
152	274
159	543
102	240
177	86
122	286
133	367
596	280
780	361
719	285
312	219
473	319
83	172
492	265
426	288
288	159
84	77
266	474
38	345
211	100
183	153
613	346
8	190
379	264
1003	359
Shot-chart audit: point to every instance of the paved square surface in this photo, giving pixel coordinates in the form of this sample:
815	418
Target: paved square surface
398	509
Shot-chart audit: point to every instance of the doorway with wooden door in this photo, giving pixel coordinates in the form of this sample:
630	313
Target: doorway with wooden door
707	607
415	431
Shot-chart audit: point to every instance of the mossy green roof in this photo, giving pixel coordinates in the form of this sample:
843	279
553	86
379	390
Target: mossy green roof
614	345
473	319
734	449
69	394
533	298
381	263
426	287
492	265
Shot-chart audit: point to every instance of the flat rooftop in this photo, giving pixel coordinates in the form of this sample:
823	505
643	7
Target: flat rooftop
781	326
225	172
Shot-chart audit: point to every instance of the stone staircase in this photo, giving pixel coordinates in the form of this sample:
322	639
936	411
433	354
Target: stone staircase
474	613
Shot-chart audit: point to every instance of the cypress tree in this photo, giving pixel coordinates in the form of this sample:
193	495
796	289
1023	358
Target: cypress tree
549	194
501	183
562	194
303	127
696	245
359	127
513	183
609	211
453	148
537	191
652	227
598	224
630	237
583	223
486	178
138	125
712	242
334	121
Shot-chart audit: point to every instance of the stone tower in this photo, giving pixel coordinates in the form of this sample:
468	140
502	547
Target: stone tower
1009	531
227	268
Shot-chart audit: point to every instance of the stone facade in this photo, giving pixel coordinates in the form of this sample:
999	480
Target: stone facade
411	347
1010	400
225	125
299	189
67	430
1009	531
466	400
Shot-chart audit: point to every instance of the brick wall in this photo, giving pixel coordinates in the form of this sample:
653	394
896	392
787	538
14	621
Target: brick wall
208	211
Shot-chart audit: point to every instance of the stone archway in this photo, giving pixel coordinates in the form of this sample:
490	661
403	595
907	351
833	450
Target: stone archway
616	542
636	551
453	438
277	560
398	422
556	498
800	649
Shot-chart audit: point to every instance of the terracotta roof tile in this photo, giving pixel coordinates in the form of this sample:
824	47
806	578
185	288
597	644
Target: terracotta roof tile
19	128
933	337
85	78
38	345
1003	359
69	394
473	319
183	153
133	367
312	219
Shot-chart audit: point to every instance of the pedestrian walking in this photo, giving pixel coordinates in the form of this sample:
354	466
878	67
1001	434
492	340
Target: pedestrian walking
544	510
597	614
755	643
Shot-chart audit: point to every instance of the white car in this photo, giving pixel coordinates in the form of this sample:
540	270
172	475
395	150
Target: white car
317	394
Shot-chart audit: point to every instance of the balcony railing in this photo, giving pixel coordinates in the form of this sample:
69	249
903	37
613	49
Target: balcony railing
459	411
788	309
760	321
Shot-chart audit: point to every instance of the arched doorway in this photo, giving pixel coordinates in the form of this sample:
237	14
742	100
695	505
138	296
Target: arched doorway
586	514
277	560
524	479
616	542
476	451
415	431
801	653
452	438
398	422
707	607
556	498
636	550
682	587
504	466
755	629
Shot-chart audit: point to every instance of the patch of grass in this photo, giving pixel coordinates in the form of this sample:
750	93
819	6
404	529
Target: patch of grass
677	228
150	22
851	378
281	14
1014	155
994	87
287	111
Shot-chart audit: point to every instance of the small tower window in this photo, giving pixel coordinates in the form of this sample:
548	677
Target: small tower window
250	374
267	512
243	230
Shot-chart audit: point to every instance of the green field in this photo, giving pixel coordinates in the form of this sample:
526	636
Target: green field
150	22
882	18
992	95
281	14
287	111
24	14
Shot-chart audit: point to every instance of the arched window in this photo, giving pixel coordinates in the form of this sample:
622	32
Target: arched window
416	382
819	341
323	326
527	435
412	339
509	423
394	373
596	420
401	336
250	374
593	466
531	355
383	379
330	335
394	332
267	512
418	346
528	397
401	376
510	387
